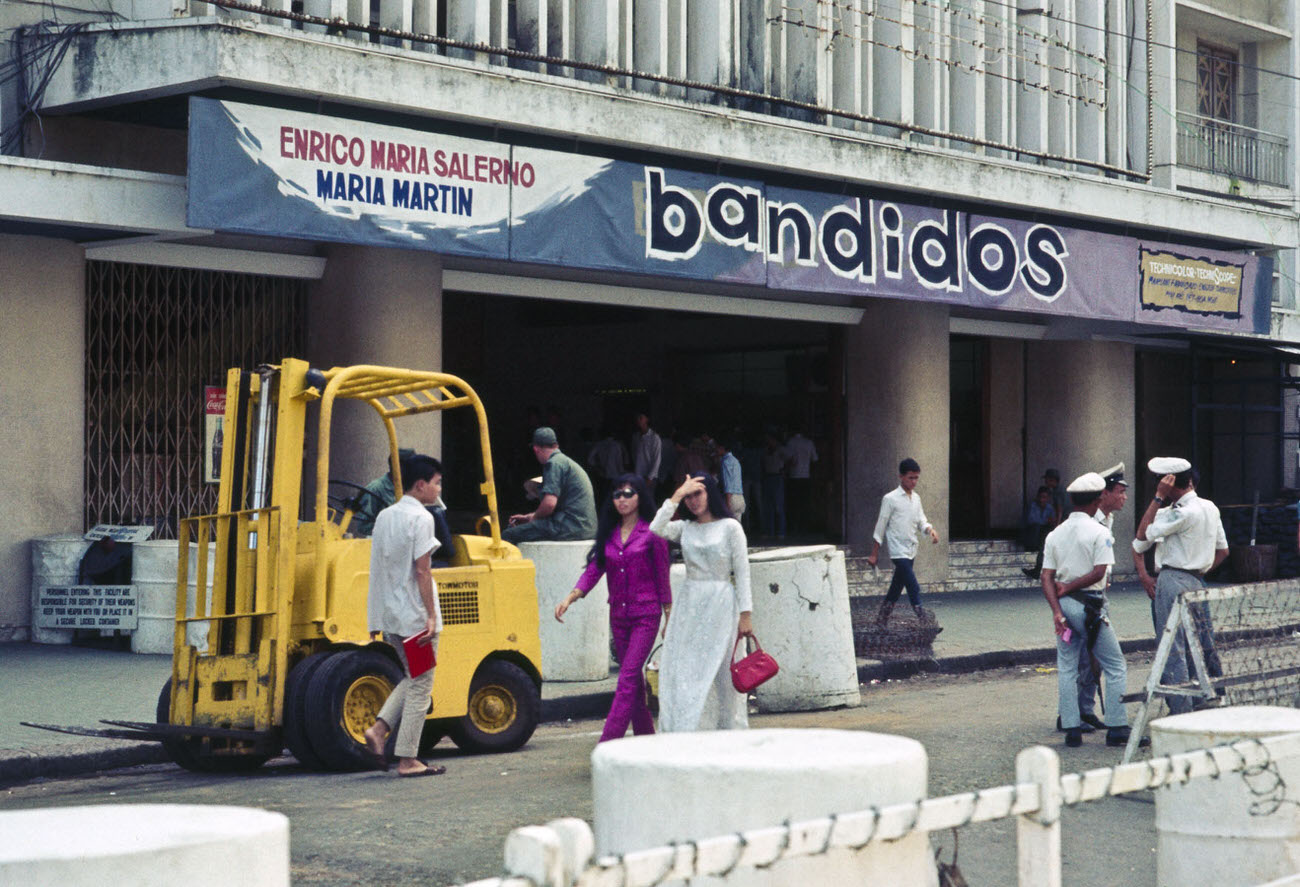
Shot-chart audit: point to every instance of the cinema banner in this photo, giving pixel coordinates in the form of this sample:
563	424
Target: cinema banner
260	170
289	174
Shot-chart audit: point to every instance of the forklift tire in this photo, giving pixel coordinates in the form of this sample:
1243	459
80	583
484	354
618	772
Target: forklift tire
343	698
435	730
504	708
189	754
296	702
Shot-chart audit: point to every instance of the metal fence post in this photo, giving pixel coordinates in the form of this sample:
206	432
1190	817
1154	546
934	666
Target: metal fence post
1038	835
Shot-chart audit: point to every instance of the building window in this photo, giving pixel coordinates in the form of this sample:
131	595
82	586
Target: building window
1216	82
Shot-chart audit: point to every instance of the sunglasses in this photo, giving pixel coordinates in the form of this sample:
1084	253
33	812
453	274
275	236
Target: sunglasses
624	494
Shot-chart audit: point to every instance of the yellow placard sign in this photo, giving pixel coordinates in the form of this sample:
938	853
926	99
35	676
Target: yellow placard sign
1185	283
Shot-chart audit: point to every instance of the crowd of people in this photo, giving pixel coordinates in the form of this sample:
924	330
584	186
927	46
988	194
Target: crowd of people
1072	529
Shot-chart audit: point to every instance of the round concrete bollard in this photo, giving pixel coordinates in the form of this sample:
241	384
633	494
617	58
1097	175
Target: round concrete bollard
578	649
163	844
802	618
650	791
1206	834
55	561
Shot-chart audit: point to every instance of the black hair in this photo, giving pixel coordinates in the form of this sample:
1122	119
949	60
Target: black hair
1082	499
1042	490
609	518
907	466
1188	478
419	467
717	502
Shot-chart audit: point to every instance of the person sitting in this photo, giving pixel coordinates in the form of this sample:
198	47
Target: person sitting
1040	518
380	493
567	510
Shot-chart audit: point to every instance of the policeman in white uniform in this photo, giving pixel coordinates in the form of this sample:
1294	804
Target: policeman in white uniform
1112	500
1077	556
1188	535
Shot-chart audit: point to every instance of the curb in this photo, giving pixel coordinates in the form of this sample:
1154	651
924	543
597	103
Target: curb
971	662
56	761
72	759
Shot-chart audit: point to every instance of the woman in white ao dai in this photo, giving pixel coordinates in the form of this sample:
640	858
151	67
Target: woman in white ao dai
709	612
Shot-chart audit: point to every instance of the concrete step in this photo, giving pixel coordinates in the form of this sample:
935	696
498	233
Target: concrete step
981	546
1003	558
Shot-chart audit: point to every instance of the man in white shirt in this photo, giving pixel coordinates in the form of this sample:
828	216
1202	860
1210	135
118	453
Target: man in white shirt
801	453
1188	536
901	519
608	457
403	603
649	448
1077	556
1112	500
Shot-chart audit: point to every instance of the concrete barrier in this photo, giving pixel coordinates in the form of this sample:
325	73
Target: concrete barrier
650	791
153	570
1226	832
578	649
198	846
55	561
802	618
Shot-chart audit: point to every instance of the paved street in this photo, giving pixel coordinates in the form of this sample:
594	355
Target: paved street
368	827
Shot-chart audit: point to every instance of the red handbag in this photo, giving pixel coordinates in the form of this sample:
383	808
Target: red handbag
753	670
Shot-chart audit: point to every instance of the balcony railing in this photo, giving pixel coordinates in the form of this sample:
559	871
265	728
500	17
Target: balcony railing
1230	149
974	75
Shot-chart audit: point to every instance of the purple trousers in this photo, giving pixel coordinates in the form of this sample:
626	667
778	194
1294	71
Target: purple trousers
633	641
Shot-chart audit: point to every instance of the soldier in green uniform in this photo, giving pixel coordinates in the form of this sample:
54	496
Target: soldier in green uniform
567	510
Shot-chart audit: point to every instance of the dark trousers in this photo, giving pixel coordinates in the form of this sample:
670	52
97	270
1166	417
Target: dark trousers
904	577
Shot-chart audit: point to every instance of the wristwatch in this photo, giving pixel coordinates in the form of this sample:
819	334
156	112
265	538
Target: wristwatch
1161	502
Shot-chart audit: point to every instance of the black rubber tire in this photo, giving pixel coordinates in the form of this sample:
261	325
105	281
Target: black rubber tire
504	708
343	697
435	730
188	753
297	738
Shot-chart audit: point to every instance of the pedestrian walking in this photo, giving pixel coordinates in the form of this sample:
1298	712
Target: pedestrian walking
710	613
634	562
403	603
1076	558
901	519
1188	536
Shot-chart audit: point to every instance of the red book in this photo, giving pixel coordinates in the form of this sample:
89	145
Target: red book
419	654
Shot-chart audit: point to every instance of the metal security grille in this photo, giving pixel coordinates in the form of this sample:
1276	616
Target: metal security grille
154	338
458	607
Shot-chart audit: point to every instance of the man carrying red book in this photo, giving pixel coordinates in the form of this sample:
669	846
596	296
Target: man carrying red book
402	606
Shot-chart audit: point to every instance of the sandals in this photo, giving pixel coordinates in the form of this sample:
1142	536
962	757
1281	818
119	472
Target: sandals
429	770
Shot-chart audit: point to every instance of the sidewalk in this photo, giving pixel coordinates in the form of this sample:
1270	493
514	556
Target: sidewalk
78	686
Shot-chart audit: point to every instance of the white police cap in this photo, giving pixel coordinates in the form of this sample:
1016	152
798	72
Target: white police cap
1114	474
1091	482
1168	465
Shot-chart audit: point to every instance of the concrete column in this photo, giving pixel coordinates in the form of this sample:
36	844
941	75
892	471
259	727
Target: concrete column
1223	832
1080	416
42	358
383	307
649	791
896	392
191	844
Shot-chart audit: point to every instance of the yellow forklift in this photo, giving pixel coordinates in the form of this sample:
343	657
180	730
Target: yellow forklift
288	661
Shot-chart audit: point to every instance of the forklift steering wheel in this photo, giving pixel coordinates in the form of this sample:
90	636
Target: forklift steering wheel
360	503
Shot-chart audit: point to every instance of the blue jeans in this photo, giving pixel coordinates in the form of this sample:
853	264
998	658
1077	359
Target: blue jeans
904	577
1109	657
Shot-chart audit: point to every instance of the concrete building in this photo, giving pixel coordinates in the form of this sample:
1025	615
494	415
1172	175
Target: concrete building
993	238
